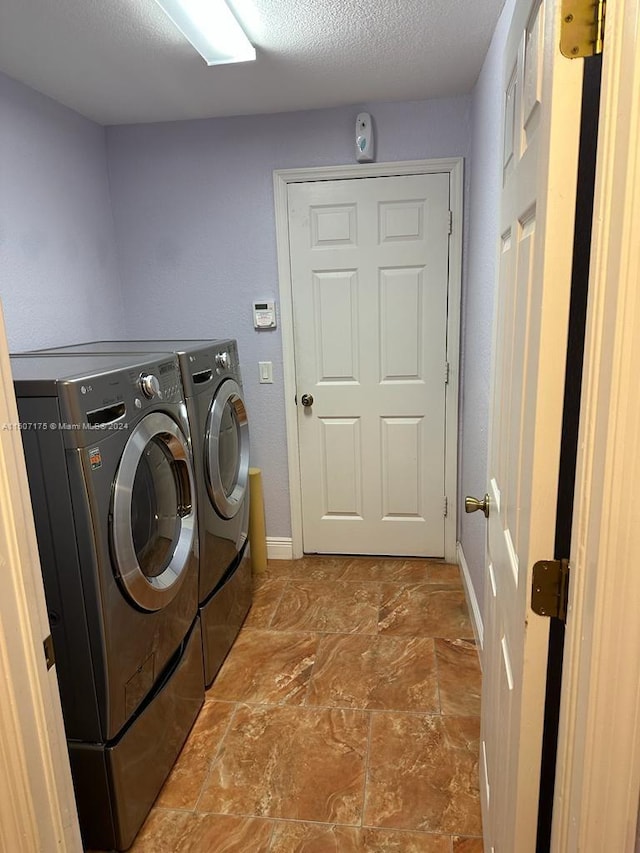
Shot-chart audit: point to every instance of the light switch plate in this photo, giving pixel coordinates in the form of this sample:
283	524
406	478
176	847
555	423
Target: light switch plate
266	372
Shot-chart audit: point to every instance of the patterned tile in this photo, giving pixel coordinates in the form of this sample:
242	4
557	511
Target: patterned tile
423	774
295	763
459	677
398	571
314	838
266	596
444	573
328	606
362	671
182	788
185	832
388	841
324	838
162	832
424	610
226	834
345	663
373	569
311	568
468	845
268	667
361	569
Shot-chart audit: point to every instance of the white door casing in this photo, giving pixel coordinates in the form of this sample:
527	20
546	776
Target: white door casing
37	806
283	180
598	777
369	270
542	95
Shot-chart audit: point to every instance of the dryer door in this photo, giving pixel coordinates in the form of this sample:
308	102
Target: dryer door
227	449
153	512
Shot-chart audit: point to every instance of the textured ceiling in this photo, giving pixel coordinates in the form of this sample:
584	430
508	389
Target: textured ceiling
119	61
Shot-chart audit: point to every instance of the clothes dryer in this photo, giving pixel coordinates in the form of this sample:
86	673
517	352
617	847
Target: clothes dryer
212	383
108	456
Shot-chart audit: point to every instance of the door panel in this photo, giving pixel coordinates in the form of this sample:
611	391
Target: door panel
342	471
336	326
401	459
540	146
370	267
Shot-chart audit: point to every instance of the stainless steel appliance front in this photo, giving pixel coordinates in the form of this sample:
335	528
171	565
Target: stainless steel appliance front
212	383
113	495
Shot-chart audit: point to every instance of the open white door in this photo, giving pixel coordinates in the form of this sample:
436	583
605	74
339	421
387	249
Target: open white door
542	93
37	807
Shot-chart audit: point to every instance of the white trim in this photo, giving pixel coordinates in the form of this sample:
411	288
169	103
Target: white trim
281	179
472	600
37	807
598	774
279	548
456	188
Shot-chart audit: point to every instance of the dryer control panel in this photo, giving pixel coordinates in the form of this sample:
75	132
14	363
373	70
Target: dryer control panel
209	364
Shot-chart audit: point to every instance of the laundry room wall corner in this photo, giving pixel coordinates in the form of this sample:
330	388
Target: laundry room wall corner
58	273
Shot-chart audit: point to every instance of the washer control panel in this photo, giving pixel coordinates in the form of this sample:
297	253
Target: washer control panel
102	393
170	386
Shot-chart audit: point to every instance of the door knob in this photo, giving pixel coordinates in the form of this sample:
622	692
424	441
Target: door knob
473	505
307	400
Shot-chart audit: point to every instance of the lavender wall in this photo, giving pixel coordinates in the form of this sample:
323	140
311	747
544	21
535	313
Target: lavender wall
195	229
58	272
477	311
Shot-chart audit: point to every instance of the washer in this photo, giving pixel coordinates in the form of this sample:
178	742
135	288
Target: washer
217	414
108	455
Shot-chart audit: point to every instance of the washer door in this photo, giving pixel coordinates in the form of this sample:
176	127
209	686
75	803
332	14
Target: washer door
227	449
153	512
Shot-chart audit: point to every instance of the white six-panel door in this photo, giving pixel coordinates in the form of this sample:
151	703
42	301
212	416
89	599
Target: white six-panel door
369	272
539	160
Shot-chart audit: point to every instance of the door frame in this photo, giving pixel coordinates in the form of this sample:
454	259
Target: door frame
454	166
598	769
37	805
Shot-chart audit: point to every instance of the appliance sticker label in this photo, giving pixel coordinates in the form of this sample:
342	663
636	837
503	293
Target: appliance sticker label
95	458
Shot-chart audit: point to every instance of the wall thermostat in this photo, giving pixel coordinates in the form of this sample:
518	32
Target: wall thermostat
264	315
364	138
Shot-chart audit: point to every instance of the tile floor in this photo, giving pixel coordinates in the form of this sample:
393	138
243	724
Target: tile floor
345	719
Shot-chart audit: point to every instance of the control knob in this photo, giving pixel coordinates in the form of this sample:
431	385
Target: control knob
222	360
149	385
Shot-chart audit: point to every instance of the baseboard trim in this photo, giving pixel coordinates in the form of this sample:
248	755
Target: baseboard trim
279	548
472	601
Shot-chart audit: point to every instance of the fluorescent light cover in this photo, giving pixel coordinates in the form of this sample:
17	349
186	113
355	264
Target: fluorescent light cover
212	29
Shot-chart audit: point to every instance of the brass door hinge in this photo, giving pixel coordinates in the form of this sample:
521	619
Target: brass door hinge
49	653
582	28
550	588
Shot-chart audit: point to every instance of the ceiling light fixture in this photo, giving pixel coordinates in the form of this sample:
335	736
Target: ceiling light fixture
212	29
